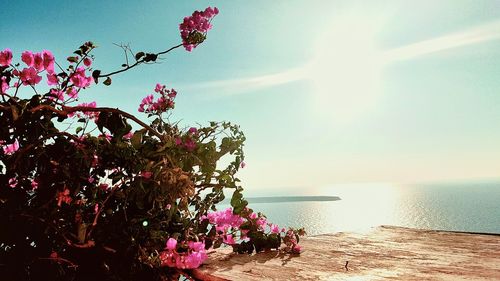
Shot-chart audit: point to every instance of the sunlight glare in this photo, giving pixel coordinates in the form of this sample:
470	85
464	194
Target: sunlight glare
346	70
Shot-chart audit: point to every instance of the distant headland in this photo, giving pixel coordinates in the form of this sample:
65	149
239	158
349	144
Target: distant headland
283	199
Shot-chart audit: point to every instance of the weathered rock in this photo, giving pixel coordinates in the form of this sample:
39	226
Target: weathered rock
386	253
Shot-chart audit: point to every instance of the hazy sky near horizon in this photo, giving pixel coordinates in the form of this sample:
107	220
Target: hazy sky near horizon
326	91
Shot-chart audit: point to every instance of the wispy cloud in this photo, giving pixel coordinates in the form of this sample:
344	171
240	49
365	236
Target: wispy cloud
482	33
475	35
242	85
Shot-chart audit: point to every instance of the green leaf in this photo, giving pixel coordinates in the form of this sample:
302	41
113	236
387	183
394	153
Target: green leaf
95	75
150	57
79	129
73	59
107	82
236	199
136	139
139	55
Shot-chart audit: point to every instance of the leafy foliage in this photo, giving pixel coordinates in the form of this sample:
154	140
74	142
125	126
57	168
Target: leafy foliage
101	201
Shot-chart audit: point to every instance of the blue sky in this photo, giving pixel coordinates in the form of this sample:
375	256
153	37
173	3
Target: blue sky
326	91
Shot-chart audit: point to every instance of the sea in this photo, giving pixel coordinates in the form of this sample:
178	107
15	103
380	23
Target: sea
469	207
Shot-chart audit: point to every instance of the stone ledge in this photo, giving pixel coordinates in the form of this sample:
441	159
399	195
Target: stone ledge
385	253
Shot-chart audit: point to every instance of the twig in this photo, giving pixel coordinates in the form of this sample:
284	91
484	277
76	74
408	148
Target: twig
69	109
137	63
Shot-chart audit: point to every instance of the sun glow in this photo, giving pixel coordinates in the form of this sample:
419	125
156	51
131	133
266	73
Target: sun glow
346	70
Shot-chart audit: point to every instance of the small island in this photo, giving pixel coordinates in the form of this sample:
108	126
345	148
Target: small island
286	199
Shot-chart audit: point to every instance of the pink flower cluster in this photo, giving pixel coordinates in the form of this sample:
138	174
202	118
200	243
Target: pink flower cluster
5	57
228	224
292	242
88	114
4	86
10	148
193	258
224	220
36	63
79	79
63	197
162	104
188	141
196	24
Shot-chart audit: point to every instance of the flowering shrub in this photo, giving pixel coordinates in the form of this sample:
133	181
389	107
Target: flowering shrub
106	200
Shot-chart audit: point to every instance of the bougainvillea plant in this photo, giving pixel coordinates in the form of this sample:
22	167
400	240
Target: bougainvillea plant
106	200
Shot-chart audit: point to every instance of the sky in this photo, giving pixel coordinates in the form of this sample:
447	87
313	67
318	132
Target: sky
327	92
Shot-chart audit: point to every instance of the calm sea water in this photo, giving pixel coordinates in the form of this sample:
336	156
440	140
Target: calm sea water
459	207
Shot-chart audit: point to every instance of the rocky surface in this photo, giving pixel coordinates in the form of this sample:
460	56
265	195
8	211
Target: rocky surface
385	253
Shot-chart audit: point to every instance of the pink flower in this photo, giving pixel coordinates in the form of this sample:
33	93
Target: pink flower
243	164
27	58
168	206
196	246
228	239
12	182
79	79
171	244
146	174
253	216
189	144
168	258
297	249
88	114
52	79
11	148
194	25
87	62
158	87
194	260
34	184
96	208
261	222
4	85
224	219
29	76
128	135
5	57
192	130
275	228
63	196
56	95
162	104
178	141
38	61
48	61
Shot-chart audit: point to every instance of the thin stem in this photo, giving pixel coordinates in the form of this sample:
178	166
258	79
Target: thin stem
137	63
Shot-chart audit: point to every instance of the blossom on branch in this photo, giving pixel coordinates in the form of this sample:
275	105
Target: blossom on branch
162	104
5	57
195	27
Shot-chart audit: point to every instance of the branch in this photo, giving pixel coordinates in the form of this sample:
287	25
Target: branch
34	144
137	63
70	264
69	109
